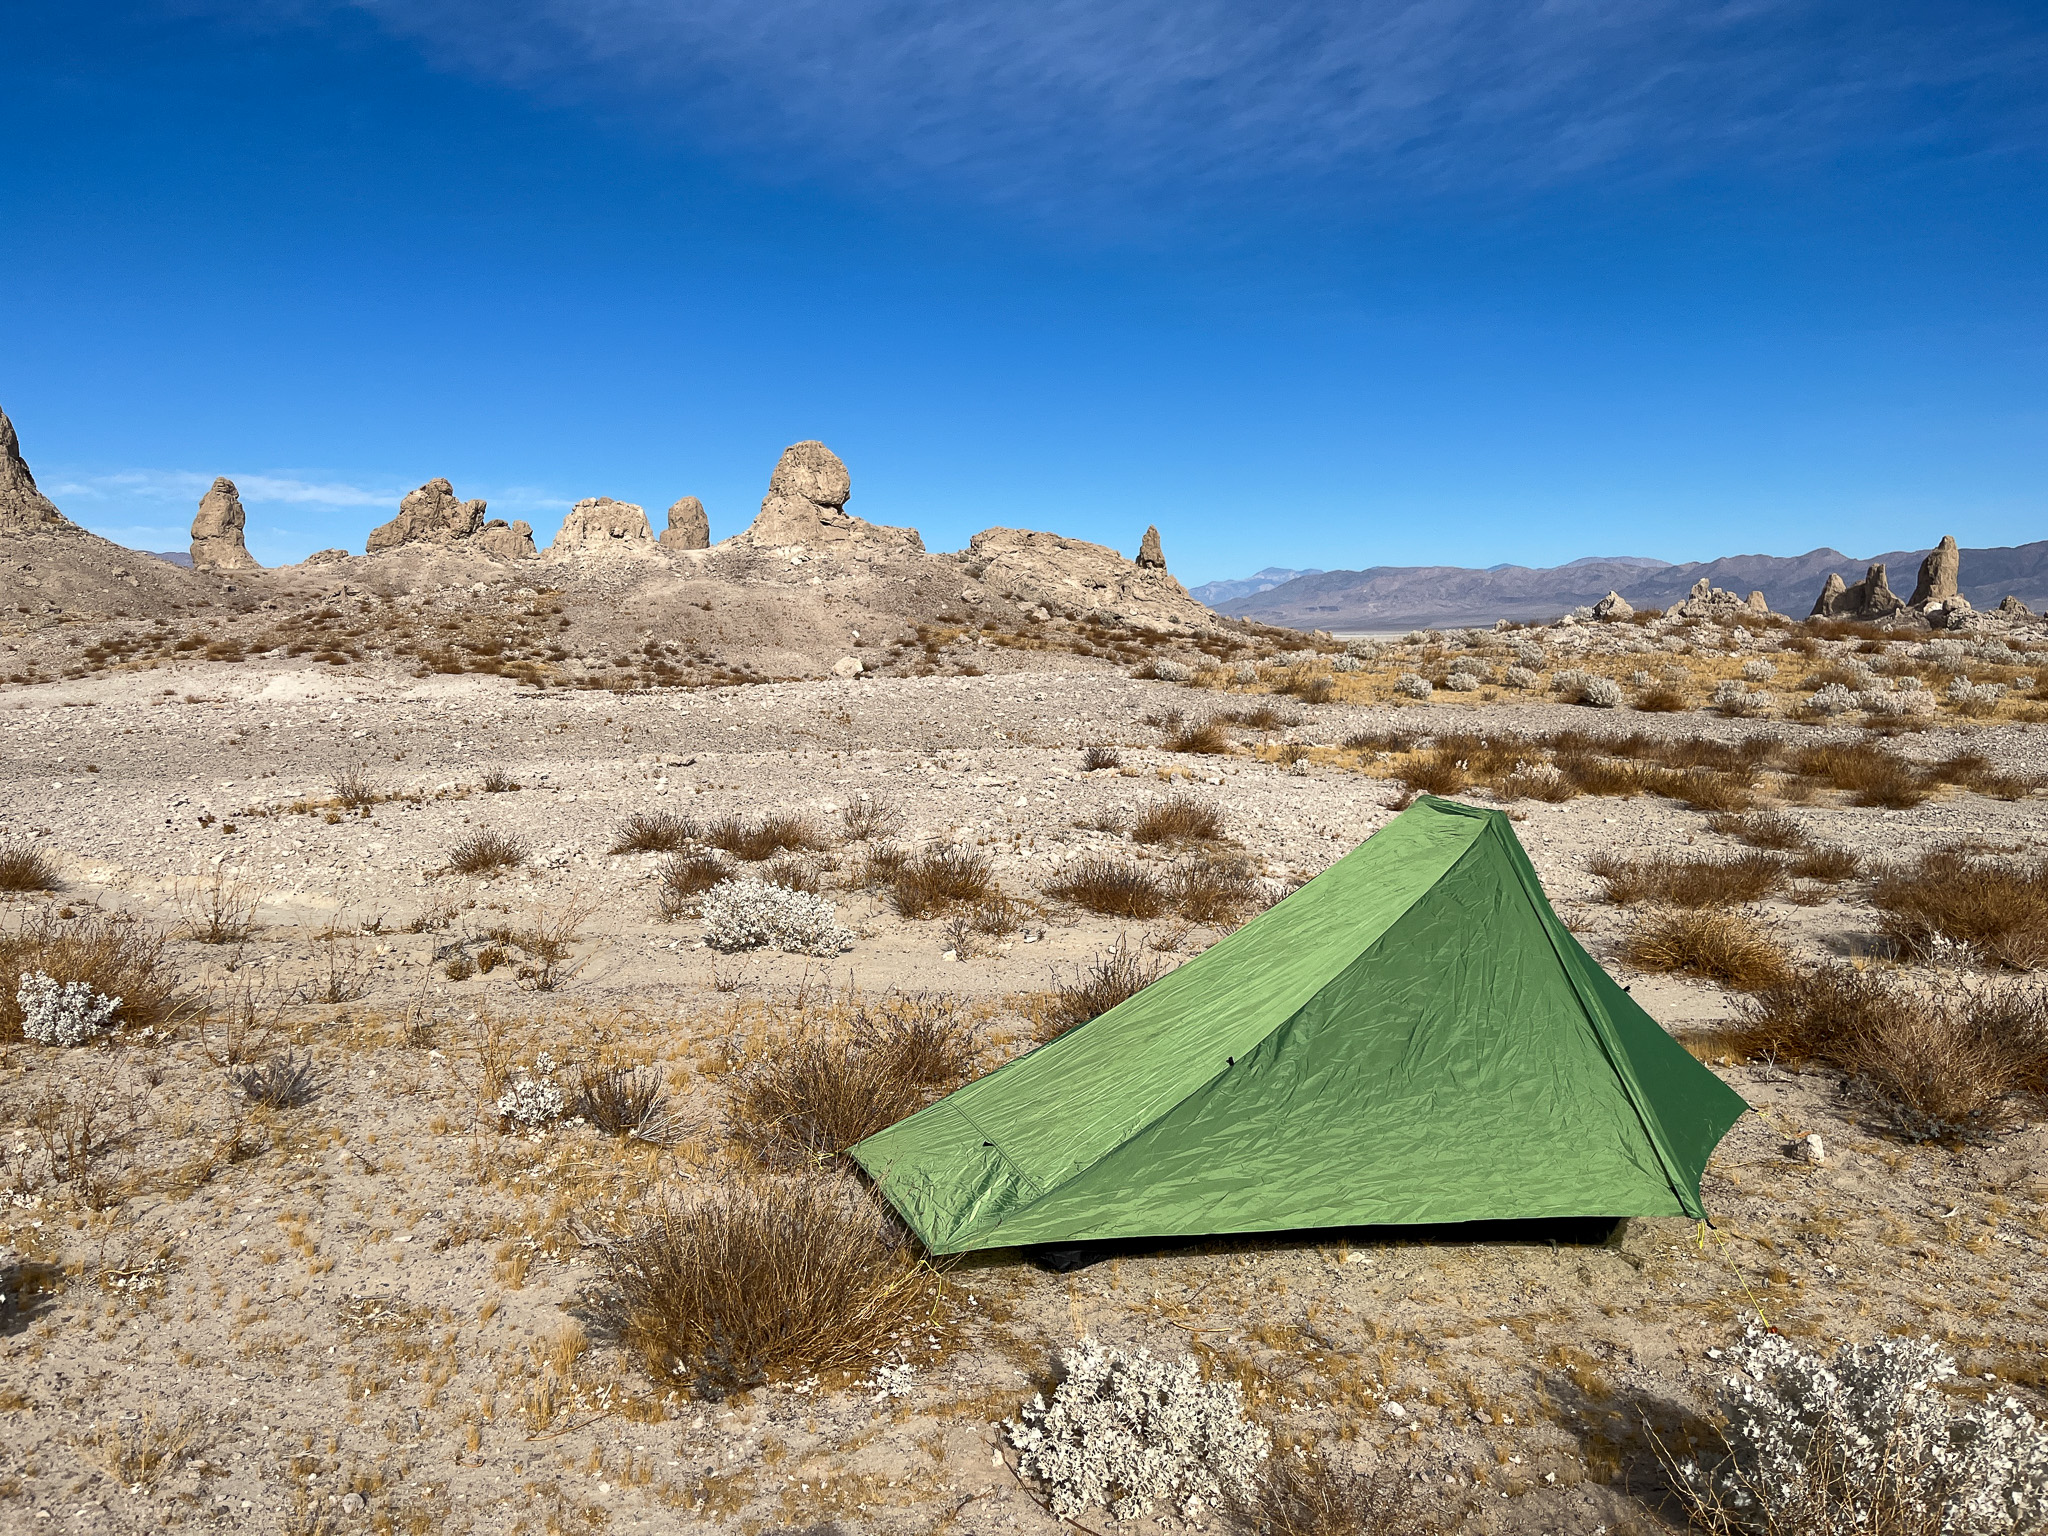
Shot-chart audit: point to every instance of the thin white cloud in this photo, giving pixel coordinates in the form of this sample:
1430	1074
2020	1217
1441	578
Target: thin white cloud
1146	99
184	485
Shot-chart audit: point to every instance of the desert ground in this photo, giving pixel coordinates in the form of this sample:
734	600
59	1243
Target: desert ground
380	1307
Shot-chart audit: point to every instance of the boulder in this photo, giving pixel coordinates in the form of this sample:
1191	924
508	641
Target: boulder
23	508
848	666
507	541
1614	607
1150	555
688	526
217	531
2015	607
597	523
1871	598
430	515
806	504
1938	573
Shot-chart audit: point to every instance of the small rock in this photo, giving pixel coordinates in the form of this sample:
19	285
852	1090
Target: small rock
352	1504
1393	1410
1812	1150
848	666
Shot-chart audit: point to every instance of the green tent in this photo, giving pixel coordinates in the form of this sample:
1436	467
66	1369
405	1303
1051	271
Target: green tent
1411	1037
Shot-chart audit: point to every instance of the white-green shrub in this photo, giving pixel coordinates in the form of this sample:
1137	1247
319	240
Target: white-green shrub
1128	1432
1759	670
746	913
1414	685
1521	677
1866	1440
1462	681
70	1014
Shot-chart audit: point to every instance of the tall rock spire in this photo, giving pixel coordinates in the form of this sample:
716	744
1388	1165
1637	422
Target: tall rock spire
23	508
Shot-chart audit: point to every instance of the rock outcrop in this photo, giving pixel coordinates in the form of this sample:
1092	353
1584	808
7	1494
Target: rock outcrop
430	515
23	508
599	525
1150	555
1938	573
1044	570
688	526
806	504
1869	599
2015	607
1613	607
217	531
507	541
1707	601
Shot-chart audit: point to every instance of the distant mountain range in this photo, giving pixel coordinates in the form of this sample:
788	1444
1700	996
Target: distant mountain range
1216	593
1425	596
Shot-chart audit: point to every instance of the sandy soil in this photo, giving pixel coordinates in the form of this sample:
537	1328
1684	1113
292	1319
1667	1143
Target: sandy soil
364	1313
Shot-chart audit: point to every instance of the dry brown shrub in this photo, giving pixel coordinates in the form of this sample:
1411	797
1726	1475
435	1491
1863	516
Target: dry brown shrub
1303	1495
1178	818
778	832
1761	829
1691	883
1098	756
1111	977
1111	887
868	816
756	1278
1213	891
23	867
655	832
1830	864
1372	739
1661	698
1263	716
816	1094
1997	908
1203	738
1947	1069
1869	772
1707	789
1722	946
1591	773
1436	772
682	877
486	852
940	876
354	788
881	865
623	1101
113	957
1973	771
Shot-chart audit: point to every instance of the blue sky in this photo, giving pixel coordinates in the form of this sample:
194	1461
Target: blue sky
1303	283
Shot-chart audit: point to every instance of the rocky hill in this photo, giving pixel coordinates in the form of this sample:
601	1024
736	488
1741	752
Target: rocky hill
1411	597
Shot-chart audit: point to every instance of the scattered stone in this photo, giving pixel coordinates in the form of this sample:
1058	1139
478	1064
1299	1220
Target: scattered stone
23	508
1938	573
847	666
1613	607
1150	555
217	531
430	515
508	541
599	523
688	526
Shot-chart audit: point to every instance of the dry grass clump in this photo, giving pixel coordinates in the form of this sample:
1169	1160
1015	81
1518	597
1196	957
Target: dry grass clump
1871	773
486	852
1178	818
1973	771
113	957
623	1101
756	1278
1761	829
778	832
1438	772
1721	946
1832	865
655	832
816	1094
682	877
882	863
1690	883
1119	973
1110	887
868	816
1661	699
23	867
1303	1495
1216	892
283	1082
354	788
1099	756
939	876
1996	908
218	911
1950	1069
1262	716
1204	738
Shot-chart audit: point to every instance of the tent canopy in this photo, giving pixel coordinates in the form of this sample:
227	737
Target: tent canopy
1411	1037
